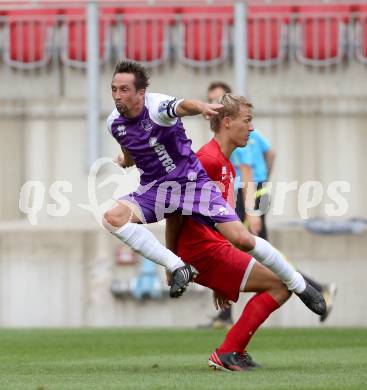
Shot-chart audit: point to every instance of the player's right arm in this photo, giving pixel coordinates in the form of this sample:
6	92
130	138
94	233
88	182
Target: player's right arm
124	159
195	107
165	110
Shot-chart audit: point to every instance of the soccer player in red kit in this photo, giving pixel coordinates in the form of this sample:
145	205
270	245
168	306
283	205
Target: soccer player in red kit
222	267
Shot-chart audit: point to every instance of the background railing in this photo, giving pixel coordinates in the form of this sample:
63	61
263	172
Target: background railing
198	36
48	42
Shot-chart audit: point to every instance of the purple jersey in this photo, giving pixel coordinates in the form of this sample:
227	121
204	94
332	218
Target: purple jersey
172	179
157	141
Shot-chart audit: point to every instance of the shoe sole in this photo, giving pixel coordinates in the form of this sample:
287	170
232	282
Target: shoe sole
216	366
181	290
319	307
332	292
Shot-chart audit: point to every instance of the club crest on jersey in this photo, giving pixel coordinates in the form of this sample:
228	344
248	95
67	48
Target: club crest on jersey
121	130
147	124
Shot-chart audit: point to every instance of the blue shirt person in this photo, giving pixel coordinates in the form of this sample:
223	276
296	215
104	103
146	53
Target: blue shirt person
253	164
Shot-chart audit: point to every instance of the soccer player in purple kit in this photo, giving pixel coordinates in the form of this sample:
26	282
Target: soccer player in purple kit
151	135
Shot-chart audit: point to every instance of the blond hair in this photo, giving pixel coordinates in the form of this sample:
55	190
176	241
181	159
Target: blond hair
231	108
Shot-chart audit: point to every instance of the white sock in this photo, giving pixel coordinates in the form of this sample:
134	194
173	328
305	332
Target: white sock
267	255
142	241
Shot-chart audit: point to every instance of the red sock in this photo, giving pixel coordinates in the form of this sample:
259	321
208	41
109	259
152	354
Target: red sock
257	310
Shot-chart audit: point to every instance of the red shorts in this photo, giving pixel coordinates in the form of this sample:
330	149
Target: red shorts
221	266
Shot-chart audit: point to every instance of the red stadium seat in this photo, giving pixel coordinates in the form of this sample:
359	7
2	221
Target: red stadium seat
28	38
144	34
267	34
361	34
321	34
204	35
74	45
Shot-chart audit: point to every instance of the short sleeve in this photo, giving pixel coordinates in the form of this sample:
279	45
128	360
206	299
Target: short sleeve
162	108
111	118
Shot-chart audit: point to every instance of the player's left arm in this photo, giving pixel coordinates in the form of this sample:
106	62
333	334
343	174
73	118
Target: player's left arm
194	107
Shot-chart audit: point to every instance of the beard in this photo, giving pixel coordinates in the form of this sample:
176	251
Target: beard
120	108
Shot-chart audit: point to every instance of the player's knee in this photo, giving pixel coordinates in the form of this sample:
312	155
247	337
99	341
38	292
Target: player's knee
244	241
116	217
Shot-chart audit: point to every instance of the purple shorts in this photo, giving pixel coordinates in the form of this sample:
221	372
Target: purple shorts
202	199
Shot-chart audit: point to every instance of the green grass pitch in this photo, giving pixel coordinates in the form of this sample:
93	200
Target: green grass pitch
325	358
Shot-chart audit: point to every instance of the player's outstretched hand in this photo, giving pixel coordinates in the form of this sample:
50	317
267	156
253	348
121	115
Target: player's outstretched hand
211	109
220	302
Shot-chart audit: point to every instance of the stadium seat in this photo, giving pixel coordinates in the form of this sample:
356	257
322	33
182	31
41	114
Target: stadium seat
74	36
267	34
361	34
204	35
144	34
28	38
321	34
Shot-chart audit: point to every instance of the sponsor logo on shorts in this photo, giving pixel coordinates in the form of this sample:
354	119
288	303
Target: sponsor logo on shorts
192	176
222	211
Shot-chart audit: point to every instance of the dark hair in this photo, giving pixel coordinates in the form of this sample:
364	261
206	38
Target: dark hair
219	84
140	73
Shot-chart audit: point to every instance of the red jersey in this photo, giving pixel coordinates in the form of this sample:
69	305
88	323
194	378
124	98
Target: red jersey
219	168
194	235
221	266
